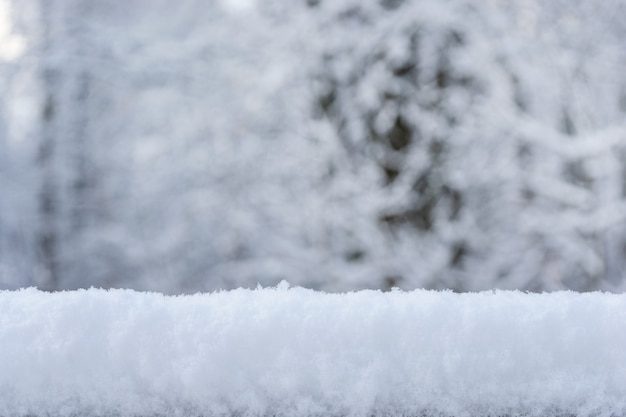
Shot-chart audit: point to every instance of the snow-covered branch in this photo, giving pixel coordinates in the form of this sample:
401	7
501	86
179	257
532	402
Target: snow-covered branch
296	352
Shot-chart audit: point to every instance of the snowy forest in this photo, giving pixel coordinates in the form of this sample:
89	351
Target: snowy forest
337	144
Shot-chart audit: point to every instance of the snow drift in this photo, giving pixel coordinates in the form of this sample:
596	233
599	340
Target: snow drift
296	352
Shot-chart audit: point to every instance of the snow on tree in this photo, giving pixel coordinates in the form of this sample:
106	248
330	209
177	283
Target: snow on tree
337	144
481	133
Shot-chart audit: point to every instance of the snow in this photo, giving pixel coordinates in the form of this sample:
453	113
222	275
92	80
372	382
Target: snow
296	352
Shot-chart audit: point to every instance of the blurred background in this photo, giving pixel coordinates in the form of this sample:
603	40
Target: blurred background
183	146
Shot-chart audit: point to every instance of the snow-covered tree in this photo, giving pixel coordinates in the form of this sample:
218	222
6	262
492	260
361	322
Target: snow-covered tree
336	144
469	116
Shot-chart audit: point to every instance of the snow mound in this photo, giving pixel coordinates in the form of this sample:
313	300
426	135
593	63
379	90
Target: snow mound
296	352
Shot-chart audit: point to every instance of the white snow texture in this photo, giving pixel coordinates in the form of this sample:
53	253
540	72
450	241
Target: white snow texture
295	352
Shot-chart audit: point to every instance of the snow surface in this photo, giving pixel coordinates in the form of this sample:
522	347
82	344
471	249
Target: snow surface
295	352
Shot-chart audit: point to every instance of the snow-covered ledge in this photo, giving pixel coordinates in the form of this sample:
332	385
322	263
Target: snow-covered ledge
296	352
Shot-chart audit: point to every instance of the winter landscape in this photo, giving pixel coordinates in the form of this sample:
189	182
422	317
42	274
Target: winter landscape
312	208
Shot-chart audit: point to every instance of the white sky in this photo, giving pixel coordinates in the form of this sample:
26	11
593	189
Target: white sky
11	44
238	5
